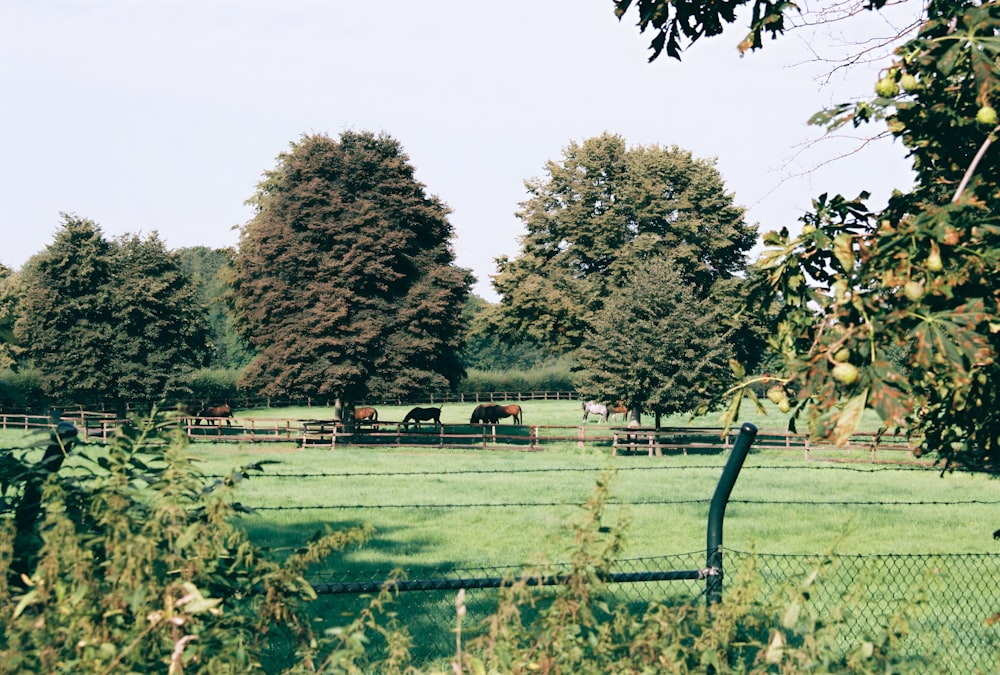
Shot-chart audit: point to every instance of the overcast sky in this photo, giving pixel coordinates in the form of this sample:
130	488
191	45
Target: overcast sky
161	115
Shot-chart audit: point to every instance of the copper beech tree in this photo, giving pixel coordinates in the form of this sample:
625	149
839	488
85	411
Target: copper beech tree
345	282
895	310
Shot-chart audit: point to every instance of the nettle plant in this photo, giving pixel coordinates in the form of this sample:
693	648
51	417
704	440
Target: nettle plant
898	311
127	558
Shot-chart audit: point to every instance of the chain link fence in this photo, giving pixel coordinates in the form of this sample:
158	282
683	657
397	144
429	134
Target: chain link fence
947	600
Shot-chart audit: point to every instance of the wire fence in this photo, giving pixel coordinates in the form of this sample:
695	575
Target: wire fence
950	602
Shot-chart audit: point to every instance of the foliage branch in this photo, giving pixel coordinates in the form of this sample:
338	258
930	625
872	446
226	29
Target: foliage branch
898	310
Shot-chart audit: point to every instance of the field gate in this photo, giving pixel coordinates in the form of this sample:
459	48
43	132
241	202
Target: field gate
712	573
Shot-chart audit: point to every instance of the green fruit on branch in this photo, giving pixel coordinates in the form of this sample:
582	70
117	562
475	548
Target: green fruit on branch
845	373
776	394
914	290
886	87
843	355
784	406
934	259
908	82
987	115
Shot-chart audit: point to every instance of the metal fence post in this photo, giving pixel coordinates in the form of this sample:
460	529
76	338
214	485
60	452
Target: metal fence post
717	512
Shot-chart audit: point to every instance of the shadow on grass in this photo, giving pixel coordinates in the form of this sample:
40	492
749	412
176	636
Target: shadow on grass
429	616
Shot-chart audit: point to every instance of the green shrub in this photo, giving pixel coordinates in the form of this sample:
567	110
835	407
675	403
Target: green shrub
125	558
556	377
209	386
21	388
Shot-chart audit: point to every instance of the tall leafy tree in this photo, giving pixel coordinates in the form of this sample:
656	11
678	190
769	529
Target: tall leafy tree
485	351
161	324
598	212
108	322
9	299
898	310
345	279
210	270
657	344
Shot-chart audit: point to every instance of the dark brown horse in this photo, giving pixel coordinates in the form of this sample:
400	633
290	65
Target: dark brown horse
216	412
492	413
485	413
418	415
365	414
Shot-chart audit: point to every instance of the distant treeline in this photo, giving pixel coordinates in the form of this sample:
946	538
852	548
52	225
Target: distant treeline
22	390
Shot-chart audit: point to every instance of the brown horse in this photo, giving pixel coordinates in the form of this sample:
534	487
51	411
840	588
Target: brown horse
619	408
366	413
418	415
217	412
512	410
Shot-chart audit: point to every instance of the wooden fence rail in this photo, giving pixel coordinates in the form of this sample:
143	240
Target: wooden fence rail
312	433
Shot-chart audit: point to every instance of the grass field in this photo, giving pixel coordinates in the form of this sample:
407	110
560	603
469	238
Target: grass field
437	509
432	504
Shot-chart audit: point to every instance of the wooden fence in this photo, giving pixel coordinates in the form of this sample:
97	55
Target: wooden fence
621	440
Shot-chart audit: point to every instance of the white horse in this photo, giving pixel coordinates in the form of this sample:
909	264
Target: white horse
594	408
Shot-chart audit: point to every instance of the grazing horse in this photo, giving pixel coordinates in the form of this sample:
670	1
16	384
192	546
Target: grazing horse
216	411
595	408
512	410
365	414
485	413
619	408
418	415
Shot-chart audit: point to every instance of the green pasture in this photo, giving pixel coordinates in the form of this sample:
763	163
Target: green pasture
431	505
435	510
440	511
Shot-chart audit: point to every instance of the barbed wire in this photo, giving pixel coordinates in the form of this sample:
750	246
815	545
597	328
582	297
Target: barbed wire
650	502
459	472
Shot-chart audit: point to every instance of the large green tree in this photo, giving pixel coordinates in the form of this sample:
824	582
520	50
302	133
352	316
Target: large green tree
211	270
109	322
345	279
921	278
598	212
9	299
657	345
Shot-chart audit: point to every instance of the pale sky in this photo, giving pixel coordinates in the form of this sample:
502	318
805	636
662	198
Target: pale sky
161	115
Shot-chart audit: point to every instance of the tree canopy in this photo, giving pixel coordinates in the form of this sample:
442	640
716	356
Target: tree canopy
109	322
9	298
920	278
598	212
211	270
657	345
345	279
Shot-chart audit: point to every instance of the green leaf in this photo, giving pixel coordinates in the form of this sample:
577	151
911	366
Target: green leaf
28	599
946	64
